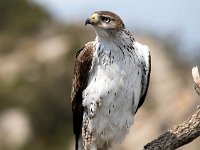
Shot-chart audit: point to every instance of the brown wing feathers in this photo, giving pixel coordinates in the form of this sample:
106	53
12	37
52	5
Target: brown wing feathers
82	67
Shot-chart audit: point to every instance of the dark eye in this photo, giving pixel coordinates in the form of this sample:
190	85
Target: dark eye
105	19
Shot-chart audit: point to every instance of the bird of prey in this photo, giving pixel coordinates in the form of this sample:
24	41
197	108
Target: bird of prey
111	79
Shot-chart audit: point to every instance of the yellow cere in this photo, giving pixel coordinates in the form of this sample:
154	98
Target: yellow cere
94	17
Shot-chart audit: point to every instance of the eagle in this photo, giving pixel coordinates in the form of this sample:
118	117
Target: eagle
111	79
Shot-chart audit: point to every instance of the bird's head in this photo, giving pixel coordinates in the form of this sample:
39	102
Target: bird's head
105	22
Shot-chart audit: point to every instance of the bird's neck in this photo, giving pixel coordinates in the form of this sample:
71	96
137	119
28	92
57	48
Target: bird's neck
102	35
123	37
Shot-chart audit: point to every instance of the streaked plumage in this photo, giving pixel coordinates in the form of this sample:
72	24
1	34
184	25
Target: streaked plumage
111	78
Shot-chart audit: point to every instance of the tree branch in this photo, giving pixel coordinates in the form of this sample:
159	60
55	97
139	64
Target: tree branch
183	133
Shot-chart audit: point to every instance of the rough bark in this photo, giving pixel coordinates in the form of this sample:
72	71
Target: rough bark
183	133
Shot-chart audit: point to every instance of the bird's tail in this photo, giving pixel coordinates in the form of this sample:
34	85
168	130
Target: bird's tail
76	142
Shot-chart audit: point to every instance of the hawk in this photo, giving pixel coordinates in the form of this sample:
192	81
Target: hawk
111	78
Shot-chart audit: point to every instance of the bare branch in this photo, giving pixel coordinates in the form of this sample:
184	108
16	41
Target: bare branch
183	133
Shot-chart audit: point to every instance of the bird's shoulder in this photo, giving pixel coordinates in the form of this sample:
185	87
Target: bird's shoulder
85	52
144	51
83	61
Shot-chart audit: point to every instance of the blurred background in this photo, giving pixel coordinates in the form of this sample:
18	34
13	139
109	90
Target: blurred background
38	40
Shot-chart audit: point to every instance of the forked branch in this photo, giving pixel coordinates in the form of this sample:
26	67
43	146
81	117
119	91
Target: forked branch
183	133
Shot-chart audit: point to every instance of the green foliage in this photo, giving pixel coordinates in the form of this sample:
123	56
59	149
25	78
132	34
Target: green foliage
20	16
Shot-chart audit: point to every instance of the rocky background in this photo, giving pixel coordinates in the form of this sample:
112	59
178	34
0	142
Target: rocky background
36	68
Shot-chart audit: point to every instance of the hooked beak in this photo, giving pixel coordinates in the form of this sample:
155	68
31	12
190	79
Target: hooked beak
93	19
87	21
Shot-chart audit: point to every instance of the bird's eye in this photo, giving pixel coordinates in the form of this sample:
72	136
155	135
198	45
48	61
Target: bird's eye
106	19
